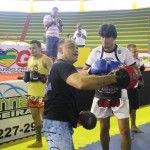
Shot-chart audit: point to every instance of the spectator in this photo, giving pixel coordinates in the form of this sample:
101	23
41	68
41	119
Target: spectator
80	35
133	93
53	25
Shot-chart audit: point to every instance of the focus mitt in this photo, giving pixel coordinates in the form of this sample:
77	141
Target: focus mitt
26	76
126	76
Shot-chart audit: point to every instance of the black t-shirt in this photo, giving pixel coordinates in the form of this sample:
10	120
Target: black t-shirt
61	98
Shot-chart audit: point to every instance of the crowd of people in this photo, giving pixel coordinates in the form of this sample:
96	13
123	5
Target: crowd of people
53	26
53	83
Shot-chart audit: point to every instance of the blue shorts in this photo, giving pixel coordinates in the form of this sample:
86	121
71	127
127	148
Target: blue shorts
51	46
58	135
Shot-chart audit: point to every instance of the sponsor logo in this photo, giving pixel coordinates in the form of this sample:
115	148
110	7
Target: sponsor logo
10	56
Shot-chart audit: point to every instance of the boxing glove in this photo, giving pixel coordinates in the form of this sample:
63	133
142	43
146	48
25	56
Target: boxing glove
26	76
126	76
43	78
87	120
99	67
34	76
114	64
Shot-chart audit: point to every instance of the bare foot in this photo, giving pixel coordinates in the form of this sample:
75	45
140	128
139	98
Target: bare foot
36	144
136	129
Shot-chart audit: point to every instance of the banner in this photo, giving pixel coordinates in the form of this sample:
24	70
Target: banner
15	118
145	59
14	58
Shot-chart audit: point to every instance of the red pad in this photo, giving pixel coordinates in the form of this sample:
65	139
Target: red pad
133	75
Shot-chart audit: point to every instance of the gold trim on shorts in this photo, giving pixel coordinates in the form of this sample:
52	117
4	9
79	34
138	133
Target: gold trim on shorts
35	101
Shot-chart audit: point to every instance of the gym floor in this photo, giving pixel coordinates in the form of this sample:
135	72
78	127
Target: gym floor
89	139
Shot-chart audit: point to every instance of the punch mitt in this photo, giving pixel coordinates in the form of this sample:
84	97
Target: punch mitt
126	76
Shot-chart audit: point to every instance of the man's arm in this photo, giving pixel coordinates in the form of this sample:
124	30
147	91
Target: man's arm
60	28
85	69
60	25
48	23
90	81
83	36
47	63
28	63
75	34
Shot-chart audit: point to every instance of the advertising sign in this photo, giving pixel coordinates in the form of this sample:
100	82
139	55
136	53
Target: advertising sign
13	58
15	118
145	59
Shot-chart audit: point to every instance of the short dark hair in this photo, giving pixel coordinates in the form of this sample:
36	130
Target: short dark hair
108	30
36	42
131	45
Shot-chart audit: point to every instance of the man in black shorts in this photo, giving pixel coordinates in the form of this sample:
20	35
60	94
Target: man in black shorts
133	93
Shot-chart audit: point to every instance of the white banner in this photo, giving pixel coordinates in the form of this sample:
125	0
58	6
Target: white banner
16	127
15	118
13	88
13	58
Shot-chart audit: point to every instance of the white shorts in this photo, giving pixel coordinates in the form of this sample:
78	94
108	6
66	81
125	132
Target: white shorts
121	112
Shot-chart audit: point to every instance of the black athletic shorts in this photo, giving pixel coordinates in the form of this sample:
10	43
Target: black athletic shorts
133	99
